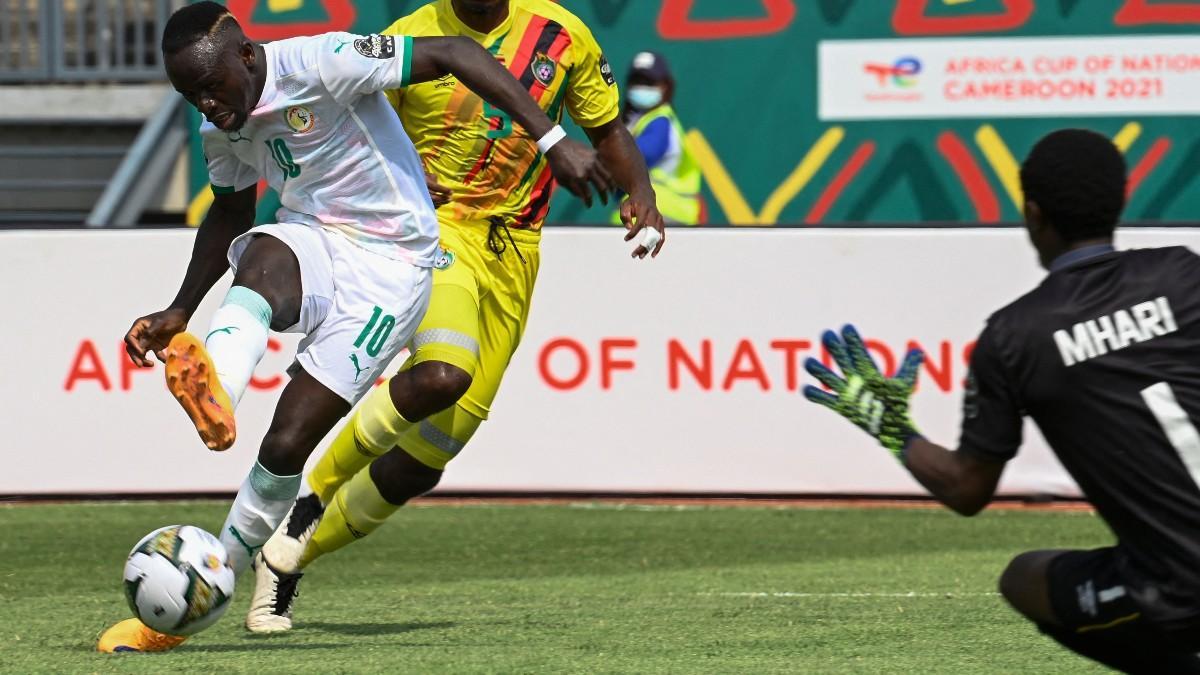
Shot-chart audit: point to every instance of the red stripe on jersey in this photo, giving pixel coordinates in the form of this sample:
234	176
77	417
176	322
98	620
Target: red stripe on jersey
539	197
522	59
556	50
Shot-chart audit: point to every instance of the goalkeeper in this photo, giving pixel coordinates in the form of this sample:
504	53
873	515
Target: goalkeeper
1102	356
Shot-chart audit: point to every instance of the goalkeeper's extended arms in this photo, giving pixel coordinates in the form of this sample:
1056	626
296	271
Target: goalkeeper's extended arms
880	406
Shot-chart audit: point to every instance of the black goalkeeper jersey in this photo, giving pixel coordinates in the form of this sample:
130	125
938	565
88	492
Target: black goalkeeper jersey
1104	356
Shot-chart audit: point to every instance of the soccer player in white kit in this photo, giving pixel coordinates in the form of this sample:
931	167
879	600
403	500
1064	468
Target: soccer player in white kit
348	263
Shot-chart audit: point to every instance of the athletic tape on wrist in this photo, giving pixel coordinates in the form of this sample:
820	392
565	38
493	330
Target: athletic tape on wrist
551	138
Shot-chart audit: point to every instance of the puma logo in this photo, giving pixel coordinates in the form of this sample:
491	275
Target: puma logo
228	330
341	43
358	370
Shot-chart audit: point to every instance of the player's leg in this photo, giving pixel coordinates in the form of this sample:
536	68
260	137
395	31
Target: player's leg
439	371
346	354
1079	599
419	390
362	504
209	377
445	356
306	411
368	499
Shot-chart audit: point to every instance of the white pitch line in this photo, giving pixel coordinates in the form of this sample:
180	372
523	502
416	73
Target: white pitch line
910	594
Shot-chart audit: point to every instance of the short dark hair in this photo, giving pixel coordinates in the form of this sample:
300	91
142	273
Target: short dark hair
192	23
1077	179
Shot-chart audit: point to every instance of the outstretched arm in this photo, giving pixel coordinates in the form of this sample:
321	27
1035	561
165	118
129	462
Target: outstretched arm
879	405
229	216
621	156
575	166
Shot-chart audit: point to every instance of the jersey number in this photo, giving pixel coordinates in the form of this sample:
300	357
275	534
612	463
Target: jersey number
1176	425
283	157
384	329
494	117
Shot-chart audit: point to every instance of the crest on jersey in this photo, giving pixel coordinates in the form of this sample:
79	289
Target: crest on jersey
543	68
444	260
300	119
376	46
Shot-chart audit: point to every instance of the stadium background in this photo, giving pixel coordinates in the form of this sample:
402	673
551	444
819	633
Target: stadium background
748	94
671	376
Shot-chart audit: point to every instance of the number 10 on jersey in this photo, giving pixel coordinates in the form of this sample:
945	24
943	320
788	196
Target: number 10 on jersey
283	157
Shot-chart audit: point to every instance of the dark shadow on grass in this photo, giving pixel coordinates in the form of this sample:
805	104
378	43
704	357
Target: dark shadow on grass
373	628
259	644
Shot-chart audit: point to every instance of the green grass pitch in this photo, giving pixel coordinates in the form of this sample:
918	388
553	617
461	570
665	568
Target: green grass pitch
587	588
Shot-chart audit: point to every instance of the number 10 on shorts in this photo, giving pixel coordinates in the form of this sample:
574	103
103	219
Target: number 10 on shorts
376	332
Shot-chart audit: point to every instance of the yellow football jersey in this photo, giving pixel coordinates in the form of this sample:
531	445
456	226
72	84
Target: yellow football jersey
493	165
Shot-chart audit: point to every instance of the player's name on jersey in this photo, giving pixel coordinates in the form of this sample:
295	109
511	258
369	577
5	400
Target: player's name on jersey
1110	332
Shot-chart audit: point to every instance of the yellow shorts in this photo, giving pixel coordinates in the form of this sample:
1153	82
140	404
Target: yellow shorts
475	320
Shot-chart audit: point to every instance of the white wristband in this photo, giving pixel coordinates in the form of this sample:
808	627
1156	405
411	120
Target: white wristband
551	138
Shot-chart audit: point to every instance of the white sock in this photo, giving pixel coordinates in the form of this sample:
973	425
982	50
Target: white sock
237	338
259	508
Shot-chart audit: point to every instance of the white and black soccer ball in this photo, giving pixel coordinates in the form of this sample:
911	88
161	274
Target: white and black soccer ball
178	580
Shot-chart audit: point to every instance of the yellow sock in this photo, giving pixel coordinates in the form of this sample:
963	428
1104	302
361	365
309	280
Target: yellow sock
355	511
372	430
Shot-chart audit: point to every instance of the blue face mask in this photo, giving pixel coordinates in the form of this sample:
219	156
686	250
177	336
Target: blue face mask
643	97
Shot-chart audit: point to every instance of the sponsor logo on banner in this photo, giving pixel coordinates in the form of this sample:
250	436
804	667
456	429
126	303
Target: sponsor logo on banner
895	80
1008	77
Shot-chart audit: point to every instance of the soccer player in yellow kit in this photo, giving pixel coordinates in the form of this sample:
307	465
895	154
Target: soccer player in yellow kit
494	187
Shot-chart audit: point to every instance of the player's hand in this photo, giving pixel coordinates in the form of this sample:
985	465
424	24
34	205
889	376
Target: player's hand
152	333
877	404
577	167
639	214
440	194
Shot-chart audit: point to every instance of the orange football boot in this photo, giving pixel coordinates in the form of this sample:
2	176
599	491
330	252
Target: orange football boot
193	382
132	635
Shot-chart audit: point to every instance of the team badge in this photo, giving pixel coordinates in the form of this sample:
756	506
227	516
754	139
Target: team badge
606	71
444	260
376	46
300	119
543	68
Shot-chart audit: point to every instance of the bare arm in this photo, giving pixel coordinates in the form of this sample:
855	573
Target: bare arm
574	165
229	216
621	156
956	479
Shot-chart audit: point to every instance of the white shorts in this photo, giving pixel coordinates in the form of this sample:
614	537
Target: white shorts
359	309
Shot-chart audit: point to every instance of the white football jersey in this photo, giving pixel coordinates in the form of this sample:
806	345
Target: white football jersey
325	138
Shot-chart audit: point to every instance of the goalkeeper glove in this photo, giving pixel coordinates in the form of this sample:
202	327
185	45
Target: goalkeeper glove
876	404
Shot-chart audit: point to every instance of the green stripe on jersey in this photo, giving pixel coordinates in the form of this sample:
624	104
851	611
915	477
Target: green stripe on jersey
407	72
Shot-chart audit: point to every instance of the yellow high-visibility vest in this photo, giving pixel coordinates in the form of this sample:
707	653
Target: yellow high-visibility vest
676	179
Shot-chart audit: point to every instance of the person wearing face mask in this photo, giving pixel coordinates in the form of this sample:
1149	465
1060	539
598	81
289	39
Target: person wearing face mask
651	120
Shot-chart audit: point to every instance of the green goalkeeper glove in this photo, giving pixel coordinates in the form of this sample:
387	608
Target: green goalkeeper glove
876	404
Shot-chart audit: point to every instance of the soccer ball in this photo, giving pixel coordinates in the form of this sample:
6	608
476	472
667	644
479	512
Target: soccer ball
178	580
